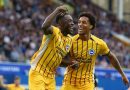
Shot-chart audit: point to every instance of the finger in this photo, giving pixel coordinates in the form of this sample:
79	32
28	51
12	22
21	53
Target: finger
74	65
62	14
127	83
66	9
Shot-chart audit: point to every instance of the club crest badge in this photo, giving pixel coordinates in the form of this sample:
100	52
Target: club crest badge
67	48
91	52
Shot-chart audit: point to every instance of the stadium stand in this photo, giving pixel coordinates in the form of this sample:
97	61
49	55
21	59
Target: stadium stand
20	29
20	24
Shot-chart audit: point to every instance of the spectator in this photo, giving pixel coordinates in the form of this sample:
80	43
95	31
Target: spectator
1	83
16	85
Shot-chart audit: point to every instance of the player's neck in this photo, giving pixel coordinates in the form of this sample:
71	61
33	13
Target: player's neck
63	31
85	37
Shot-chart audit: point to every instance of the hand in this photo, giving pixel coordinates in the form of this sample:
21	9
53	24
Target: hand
125	80
75	64
62	9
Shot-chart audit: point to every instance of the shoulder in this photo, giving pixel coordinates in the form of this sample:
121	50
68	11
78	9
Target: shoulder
75	37
98	40
22	87
69	37
55	29
10	85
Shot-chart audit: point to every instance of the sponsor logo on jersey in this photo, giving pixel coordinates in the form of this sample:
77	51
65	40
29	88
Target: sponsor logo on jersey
67	48
91	52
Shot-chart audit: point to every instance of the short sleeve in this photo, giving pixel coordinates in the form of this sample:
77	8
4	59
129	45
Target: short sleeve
104	49
55	31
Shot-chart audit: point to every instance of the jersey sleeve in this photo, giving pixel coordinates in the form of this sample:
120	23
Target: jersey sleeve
104	48
55	31
56	34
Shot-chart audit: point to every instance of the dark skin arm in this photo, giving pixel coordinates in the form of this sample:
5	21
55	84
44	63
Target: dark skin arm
114	61
46	26
66	61
69	61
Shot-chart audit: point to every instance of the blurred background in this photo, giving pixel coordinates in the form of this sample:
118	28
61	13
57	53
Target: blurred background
21	34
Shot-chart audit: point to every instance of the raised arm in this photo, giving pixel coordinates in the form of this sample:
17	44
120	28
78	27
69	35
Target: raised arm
46	26
114	61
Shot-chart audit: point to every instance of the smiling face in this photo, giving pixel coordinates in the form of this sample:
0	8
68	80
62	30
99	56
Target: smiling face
84	25
66	23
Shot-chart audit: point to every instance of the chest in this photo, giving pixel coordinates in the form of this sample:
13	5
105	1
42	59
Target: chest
63	44
85	49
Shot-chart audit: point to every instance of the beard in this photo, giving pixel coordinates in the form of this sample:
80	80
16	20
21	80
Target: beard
67	31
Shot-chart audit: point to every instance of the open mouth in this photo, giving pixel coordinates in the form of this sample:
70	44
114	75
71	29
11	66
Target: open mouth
71	27
80	29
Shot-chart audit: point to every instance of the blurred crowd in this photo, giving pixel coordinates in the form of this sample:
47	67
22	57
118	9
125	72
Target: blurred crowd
20	28
15	85
21	34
